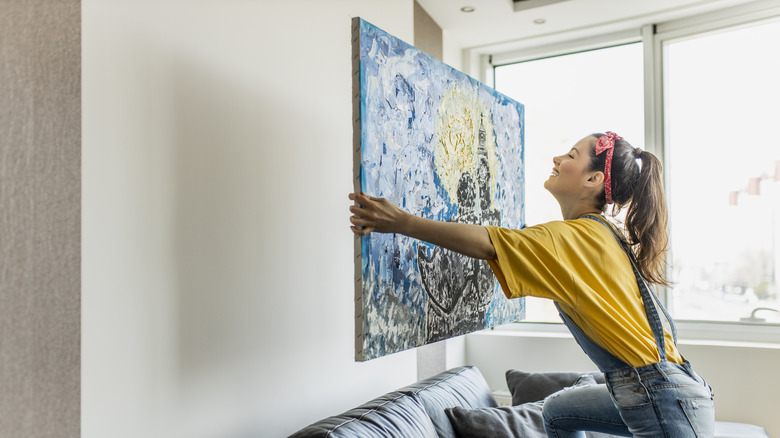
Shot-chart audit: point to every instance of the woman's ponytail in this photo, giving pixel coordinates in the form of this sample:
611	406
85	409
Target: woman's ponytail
646	220
640	187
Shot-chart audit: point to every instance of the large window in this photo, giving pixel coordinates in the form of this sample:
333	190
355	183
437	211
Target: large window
567	98
714	121
723	159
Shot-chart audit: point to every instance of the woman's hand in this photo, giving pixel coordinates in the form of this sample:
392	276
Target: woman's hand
370	214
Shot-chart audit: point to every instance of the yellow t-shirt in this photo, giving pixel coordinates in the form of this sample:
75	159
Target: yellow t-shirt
580	264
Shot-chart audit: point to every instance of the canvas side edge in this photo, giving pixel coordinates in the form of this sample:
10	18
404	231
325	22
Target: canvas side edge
356	162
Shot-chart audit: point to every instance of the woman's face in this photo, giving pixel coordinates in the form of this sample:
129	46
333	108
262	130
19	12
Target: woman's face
570	171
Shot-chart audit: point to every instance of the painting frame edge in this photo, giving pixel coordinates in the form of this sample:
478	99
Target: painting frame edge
356	169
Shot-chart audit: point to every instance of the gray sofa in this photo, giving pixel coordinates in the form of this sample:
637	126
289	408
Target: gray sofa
458	404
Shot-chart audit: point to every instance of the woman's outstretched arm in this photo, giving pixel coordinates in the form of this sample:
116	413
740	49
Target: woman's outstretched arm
379	215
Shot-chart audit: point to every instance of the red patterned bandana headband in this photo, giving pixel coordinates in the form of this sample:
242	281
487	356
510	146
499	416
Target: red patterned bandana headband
607	143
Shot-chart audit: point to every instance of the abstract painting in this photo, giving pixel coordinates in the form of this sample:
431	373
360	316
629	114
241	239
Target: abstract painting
440	145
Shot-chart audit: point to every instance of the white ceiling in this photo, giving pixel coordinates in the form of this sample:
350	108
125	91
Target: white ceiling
495	23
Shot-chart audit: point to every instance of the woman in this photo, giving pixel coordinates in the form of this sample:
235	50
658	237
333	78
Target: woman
599	281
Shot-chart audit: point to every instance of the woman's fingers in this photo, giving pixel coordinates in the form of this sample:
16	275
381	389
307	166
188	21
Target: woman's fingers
358	210
360	231
360	224
370	214
364	206
363	199
358	197
360	213
359	221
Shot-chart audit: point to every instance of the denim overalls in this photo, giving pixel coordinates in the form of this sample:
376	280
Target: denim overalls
663	399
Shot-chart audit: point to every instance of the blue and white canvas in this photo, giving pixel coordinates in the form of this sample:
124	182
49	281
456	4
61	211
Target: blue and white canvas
443	146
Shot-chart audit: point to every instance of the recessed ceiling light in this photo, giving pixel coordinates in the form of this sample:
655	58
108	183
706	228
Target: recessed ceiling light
540	21
467	9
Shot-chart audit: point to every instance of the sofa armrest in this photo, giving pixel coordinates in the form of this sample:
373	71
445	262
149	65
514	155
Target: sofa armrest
463	386
414	411
393	414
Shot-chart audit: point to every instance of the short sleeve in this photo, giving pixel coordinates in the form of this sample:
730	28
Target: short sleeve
527	264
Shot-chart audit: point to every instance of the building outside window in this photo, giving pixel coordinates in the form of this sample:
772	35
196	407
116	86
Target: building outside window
723	164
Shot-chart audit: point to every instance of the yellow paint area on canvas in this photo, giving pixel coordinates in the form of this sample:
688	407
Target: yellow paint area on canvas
457	138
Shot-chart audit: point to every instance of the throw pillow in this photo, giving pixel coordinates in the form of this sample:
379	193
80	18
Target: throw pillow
530	387
504	422
520	421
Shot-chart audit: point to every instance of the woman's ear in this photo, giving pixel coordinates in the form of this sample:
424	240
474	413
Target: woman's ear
595	179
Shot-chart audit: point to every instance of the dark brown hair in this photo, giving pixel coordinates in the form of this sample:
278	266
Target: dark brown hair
641	189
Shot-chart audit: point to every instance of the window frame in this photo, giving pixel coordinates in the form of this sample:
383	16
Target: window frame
654	37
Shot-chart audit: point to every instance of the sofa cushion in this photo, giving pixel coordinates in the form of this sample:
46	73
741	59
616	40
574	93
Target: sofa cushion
392	415
531	387
463	386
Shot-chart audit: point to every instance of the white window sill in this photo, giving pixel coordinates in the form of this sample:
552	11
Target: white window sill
721	334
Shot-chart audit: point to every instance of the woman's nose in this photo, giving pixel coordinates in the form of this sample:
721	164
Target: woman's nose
556	160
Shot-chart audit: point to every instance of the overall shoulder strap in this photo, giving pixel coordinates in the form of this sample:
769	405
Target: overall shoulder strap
652	303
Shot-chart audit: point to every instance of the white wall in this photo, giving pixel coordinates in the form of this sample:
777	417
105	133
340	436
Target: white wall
217	258
452	52
744	376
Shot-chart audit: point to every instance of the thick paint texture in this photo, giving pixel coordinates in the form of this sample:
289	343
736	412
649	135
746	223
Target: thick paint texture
443	146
